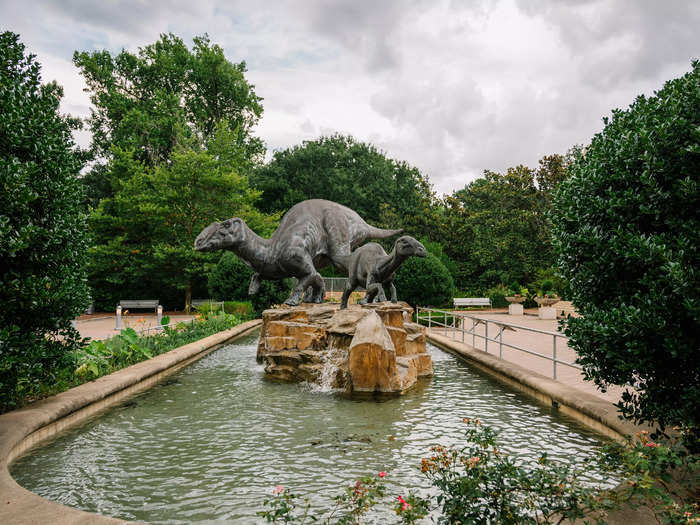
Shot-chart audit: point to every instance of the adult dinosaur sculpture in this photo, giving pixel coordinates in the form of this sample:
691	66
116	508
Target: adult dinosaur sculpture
372	267
311	235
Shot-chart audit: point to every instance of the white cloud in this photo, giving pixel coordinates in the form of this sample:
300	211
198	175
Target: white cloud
451	87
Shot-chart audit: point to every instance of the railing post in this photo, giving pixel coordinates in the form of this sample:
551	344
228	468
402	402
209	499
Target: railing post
430	319
454	331
461	325
500	344
160	315
486	337
554	356
119	318
473	333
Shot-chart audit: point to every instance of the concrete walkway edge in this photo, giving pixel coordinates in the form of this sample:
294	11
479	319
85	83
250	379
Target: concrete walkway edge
592	411
22	429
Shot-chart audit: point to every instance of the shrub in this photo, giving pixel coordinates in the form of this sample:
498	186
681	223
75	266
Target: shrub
424	282
43	232
498	294
627	229
103	357
242	309
230	279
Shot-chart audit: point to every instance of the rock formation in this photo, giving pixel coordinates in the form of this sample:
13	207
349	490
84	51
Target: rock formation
364	348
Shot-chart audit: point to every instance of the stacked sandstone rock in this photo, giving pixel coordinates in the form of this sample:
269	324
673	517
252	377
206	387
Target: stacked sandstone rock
368	348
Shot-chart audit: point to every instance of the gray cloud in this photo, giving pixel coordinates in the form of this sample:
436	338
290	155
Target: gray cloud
451	87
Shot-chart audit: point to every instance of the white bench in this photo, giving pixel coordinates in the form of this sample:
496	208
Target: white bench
139	303
472	301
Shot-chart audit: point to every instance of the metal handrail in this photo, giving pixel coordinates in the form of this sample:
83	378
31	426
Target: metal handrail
503	326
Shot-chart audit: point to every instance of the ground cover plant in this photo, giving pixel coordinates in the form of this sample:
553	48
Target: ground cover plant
100	358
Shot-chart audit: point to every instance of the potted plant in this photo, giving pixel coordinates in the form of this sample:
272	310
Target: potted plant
546	298
517	295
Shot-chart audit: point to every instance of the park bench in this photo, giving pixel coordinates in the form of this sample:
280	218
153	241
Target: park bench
139	303
471	301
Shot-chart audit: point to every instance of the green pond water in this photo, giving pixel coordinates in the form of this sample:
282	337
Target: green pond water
211	442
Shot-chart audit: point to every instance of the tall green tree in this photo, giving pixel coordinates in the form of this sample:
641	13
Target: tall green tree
43	233
497	229
385	192
627	232
148	102
151	222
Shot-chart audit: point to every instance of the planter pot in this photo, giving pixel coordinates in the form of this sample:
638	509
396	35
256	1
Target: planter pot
546	301
516	299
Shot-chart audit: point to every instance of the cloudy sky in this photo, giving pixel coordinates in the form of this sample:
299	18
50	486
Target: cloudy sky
452	87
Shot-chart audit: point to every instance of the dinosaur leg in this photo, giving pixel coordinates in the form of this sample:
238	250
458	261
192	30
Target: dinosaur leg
255	282
392	291
349	288
373	289
308	294
308	276
319	288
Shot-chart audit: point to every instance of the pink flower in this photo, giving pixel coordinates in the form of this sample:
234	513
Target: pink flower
278	489
404	504
651	444
382	474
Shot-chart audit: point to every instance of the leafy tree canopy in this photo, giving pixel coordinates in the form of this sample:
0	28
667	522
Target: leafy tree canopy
43	234
627	230
150	101
338	168
148	228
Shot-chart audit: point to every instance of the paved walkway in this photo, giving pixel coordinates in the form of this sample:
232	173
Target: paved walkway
532	341
102	326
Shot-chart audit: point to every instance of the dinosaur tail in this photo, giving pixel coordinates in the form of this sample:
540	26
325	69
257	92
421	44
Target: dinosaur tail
378	233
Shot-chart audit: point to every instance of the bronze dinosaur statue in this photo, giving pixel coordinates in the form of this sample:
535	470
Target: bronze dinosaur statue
372	267
312	235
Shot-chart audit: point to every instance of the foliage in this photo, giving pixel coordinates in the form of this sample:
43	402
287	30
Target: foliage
148	102
103	357
242	309
498	295
497	229
385	192
479	483
424	282
627	230
145	232
43	234
436	249
230	279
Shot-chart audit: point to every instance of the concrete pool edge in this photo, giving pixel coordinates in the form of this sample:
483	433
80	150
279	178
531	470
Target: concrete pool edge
589	410
22	429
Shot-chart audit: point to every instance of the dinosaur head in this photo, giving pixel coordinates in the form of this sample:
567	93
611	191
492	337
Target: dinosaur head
407	246
224	235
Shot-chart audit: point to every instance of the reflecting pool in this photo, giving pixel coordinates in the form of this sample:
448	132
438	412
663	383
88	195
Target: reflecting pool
212	441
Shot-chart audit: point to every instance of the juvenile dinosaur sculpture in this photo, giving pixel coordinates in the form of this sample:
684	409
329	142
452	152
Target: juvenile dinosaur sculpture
311	235
372	267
